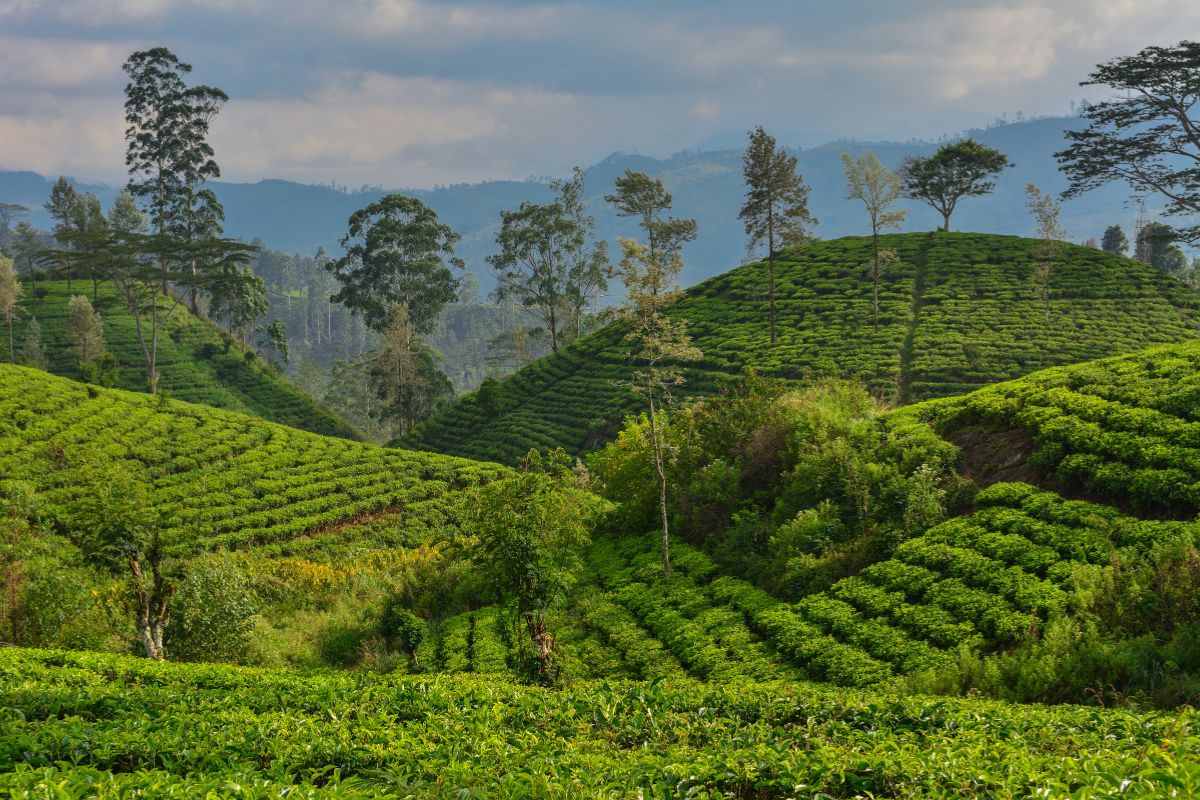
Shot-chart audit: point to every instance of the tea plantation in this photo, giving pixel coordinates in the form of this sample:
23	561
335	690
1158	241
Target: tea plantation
1123	430
223	479
90	725
960	311
194	361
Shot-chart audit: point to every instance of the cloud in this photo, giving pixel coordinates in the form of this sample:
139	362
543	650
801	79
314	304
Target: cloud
416	92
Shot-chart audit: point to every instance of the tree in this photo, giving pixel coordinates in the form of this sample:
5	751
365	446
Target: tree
10	295
529	531
545	262
26	247
1114	241
33	352
167	151
639	195
405	374
1045	213
1159	241
397	253
124	215
113	523
776	207
954	171
85	331
1148	135
63	209
660	343
89	216
878	188
8	213
240	297
275	332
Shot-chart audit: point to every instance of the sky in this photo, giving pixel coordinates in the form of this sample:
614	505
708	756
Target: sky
414	93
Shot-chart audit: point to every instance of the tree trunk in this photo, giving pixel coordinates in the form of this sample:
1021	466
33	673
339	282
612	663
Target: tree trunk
553	330
95	290
656	446
152	605
771	260
12	353
875	272
946	225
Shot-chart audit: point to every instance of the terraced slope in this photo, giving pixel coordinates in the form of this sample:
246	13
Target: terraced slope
87	725
223	479
1123	430
960	311
192	360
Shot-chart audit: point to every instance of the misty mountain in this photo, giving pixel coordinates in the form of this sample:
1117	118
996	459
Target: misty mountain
708	186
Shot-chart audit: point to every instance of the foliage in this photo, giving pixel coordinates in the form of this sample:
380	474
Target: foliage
10	295
405	375
218	479
84	331
545	262
1115	241
1145	136
212	614
878	188
954	171
397	253
528	529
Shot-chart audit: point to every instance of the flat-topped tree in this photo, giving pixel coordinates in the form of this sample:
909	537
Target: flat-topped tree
954	171
1148	135
776	207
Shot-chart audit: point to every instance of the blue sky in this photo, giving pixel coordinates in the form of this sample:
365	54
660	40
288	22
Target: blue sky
411	93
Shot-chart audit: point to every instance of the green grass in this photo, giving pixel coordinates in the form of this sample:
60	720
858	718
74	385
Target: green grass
959	312
223	479
192	360
88	725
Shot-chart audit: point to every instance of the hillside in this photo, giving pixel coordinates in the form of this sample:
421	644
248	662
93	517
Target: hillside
220	479
194	362
960	311
707	185
93	725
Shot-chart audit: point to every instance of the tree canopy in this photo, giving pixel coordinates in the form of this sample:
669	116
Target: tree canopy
1148	135
954	171
397	253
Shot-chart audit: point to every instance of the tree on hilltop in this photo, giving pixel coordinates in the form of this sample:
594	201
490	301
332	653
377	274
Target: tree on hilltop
954	171
878	188
776	207
1114	241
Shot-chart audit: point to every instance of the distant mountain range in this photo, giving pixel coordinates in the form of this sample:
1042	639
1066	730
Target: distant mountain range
297	217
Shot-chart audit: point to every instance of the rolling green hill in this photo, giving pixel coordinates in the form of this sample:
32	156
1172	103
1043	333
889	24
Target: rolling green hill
223	479
194	363
960	311
88	725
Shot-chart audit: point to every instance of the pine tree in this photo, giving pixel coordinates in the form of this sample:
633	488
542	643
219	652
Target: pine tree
776	207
